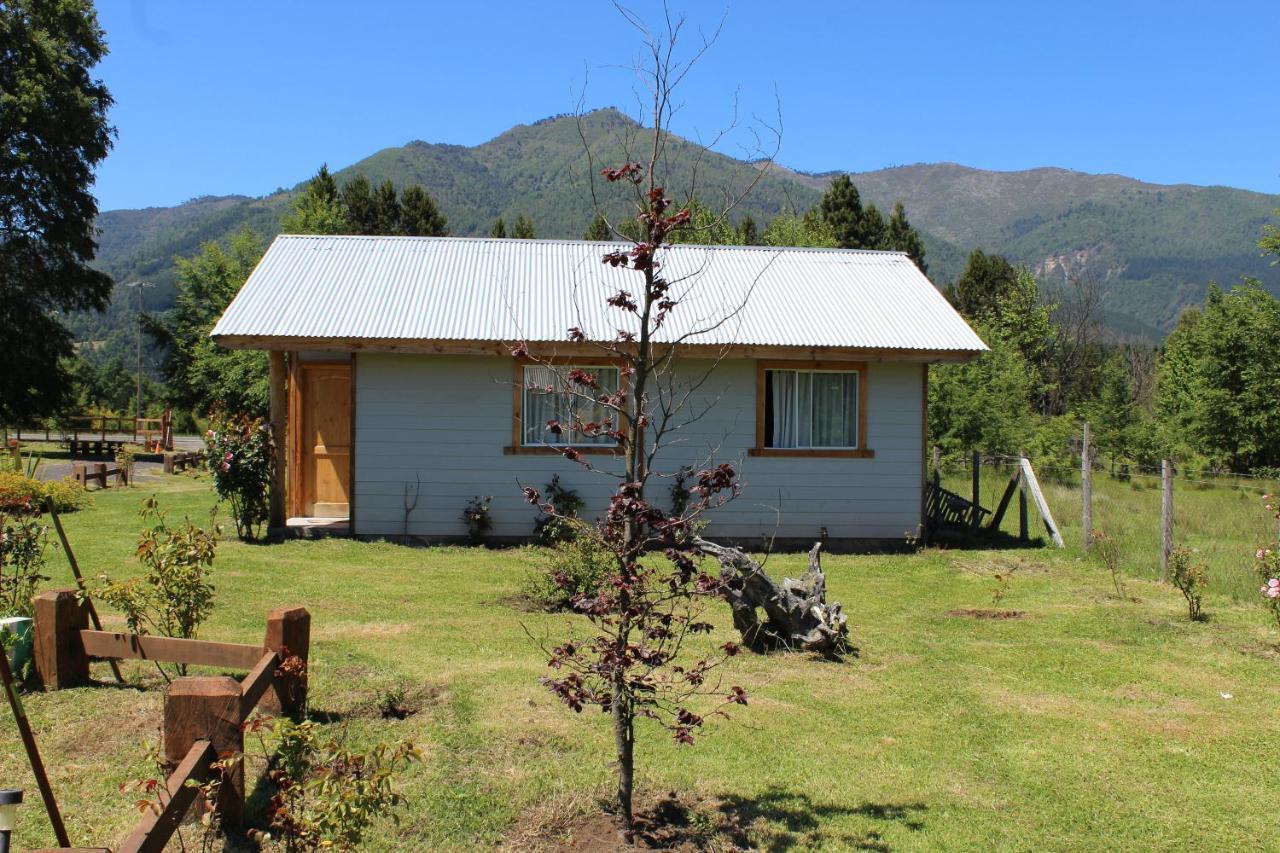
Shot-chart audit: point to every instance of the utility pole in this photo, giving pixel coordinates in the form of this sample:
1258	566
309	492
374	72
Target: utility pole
137	415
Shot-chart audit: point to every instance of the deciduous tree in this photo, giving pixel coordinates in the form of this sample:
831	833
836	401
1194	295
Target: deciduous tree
634	665
201	374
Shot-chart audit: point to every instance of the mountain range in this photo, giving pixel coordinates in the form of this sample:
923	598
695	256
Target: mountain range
1154	247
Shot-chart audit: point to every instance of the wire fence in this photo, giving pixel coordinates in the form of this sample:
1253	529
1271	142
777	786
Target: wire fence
1221	516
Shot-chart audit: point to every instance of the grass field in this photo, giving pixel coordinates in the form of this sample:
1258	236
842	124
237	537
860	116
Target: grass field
1092	722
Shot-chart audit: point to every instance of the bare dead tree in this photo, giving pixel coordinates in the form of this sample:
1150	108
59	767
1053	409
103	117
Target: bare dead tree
1075	352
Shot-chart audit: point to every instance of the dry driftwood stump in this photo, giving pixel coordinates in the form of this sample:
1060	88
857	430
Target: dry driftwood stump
797	615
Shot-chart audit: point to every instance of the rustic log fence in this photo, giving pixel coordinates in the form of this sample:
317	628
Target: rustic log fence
100	473
204	716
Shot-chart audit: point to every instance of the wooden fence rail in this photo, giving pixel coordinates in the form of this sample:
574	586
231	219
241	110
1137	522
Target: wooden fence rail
203	716
156	827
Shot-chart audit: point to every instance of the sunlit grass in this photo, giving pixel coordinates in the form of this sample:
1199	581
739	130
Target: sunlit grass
1090	723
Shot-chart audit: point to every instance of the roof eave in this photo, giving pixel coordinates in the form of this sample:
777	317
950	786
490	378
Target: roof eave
565	348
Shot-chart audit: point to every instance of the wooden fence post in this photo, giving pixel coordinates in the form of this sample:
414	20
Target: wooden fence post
207	708
1166	516
1086	488
1023	532
289	636
937	462
59	655
976	518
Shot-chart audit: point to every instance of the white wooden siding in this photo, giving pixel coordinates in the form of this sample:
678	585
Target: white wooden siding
448	419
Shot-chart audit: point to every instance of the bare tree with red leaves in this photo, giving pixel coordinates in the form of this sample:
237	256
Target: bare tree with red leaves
634	664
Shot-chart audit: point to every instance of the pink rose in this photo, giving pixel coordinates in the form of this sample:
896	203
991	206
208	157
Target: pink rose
1273	583
226	466
1273	592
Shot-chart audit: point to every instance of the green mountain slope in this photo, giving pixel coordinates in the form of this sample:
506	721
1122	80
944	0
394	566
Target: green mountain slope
1155	247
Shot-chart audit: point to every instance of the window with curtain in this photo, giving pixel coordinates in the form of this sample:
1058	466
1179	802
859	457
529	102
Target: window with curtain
565	403
814	409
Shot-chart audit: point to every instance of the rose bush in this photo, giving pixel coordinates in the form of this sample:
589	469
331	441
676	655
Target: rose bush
242	459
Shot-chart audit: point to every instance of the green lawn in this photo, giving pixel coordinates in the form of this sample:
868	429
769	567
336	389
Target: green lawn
1090	723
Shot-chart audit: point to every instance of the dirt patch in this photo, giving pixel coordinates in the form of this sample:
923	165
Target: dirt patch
986	613
669	823
400	703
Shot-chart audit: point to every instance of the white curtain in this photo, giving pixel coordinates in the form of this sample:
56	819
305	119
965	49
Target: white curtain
540	406
563	404
834	404
784	407
814	409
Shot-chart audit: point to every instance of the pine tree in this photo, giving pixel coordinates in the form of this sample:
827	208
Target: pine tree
986	280
419	216
901	237
842	209
386	209
499	229
358	206
317	209
522	229
875	231
748	233
598	230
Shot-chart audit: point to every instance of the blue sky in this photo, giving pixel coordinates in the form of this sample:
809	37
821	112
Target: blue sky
243	97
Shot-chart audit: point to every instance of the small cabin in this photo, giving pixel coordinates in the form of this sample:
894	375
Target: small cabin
399	399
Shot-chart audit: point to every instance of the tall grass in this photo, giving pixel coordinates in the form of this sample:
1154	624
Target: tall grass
1221	519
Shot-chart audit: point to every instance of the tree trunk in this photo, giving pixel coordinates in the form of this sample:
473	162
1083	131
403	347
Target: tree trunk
797	615
624	740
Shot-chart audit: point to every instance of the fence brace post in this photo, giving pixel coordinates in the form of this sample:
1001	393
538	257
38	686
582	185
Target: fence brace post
199	708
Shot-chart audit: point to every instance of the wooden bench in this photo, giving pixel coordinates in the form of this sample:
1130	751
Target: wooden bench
94	446
180	461
100	472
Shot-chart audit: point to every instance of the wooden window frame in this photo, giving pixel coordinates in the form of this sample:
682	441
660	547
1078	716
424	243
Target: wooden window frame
859	452
517	446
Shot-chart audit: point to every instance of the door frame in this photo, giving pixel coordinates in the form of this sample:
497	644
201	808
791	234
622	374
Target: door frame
294	490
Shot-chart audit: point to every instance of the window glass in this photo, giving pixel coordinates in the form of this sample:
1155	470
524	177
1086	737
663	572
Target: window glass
811	409
548	395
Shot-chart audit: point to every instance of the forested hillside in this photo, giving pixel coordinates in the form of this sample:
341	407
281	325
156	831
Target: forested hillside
1155	248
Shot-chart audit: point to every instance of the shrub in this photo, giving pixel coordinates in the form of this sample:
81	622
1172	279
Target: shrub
476	516
20	494
22	544
326	795
552	528
1108	551
126	456
68	495
1191	579
576	566
174	595
1267	565
242	458
23	495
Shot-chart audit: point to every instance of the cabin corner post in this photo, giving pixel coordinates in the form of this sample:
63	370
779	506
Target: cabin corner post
279	432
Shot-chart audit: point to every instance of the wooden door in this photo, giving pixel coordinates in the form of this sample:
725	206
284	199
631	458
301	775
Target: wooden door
325	392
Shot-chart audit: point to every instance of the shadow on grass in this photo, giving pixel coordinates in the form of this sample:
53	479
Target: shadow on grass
796	822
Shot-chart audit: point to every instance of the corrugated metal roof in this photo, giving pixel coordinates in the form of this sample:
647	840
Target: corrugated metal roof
484	289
